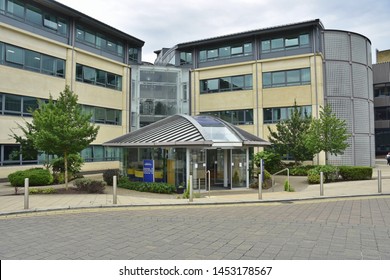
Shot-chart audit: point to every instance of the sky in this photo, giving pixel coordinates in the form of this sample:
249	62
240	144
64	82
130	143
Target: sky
166	23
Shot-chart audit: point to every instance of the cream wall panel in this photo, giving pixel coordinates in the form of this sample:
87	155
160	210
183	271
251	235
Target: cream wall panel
285	96
226	101
23	82
9	124
226	71
285	63
98	96
107	132
32	42
98	62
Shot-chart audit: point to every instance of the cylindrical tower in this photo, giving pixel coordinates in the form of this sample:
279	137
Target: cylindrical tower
349	90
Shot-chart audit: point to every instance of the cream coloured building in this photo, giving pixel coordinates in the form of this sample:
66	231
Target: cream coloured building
45	46
253	78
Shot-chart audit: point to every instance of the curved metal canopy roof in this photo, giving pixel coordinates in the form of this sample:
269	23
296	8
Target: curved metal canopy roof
184	131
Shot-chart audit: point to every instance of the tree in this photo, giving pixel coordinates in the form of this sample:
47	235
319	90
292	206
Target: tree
290	135
60	128
328	134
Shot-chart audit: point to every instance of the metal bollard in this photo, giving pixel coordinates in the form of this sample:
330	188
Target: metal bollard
26	193
379	181
191	190
321	183
260	177
114	184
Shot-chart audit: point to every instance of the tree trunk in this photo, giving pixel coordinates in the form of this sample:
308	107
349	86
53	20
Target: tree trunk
66	169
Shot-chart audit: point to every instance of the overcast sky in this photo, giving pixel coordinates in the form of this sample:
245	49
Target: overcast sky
165	23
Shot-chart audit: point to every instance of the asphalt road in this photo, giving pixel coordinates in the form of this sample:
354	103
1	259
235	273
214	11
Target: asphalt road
355	228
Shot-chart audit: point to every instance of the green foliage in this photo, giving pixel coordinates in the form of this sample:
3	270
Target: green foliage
328	133
75	161
146	187
109	174
330	174
266	181
89	186
301	170
37	177
61	128
27	148
42	191
290	134
352	173
272	160
287	187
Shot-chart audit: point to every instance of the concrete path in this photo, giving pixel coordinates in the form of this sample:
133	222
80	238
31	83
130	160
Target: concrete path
13	204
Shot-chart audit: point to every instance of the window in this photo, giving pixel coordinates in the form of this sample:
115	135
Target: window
12	104
15	8
225	52
30	104
34	15
103	115
31	60
279	44
185	58
286	78
14	55
98	41
234	83
2	6
98	77
235	117
133	54
274	115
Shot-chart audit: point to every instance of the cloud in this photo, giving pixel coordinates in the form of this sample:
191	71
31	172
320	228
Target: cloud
165	23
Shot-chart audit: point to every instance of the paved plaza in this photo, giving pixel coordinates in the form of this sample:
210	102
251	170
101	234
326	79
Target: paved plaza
347	228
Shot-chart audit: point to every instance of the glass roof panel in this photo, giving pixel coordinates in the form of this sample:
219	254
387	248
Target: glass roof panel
215	130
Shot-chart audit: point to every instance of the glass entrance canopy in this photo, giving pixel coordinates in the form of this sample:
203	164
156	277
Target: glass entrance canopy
181	145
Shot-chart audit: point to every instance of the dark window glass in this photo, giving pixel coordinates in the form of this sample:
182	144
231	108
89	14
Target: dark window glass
291	42
34	15
60	68
1	104
225	51
29	105
14	55
304	39
15	8
266	46
62	26
11	152
202	55
237	50
238	83
305	75
89	75
100	115
32	61
278	78
50	21
48	65
212	54
133	54
2	5
277	44
212	85
101	77
224	84
13	104
248	82
293	77
89	37
1	53
248	48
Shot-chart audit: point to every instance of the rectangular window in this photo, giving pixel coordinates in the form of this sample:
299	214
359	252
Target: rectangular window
98	77
30	104
304	40
212	85
11	153
133	54
50	21
101	78
60	68
278	78
1	53
248	48
293	77
238	83
16	8
2	5
224	52
237	50
212	54
14	55
286	78
32	61
305	76
33	15
236	117
277	44
225	84
13	104
202	56
274	115
266	46
89	75
291	42
248	82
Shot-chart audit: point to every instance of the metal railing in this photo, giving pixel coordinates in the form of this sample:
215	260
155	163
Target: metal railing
288	178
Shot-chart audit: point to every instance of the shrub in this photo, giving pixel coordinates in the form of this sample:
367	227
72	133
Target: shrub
287	187
42	190
109	174
352	173
272	160
330	174
75	161
267	181
300	170
89	186
146	187
37	177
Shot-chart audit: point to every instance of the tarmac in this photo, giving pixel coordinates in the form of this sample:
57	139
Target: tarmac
11	204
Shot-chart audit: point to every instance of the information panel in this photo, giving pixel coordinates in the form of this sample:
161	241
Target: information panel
148	170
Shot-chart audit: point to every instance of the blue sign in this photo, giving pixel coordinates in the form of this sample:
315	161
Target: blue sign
148	170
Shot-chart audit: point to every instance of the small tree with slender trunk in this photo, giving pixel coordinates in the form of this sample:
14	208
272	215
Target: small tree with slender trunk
61	128
328	134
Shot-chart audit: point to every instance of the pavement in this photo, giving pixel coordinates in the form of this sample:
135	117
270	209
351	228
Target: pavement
11	204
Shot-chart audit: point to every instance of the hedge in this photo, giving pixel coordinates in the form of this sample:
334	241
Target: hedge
352	173
37	177
146	187
330	174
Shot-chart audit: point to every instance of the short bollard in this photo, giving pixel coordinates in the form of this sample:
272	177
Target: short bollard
379	181
191	190
114	183
321	183
26	193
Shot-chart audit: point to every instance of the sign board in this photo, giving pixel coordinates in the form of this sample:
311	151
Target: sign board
148	170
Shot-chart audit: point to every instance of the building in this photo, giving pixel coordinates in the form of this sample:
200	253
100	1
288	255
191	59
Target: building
382	102
253	78
45	46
